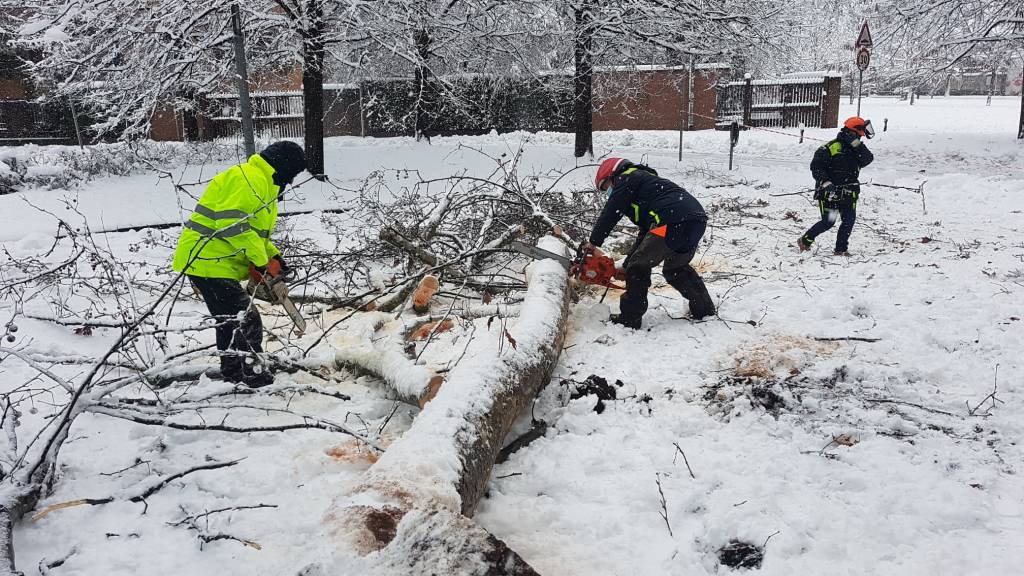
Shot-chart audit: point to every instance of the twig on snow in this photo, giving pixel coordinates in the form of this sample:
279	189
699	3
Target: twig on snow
901	402
679	450
45	564
846	338
138	462
140	497
208	513
158	419
664	507
991	396
201	532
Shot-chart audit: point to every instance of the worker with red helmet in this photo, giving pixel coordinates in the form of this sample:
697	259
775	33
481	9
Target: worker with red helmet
836	170
671	223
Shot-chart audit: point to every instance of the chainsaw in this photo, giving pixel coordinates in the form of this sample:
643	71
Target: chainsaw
589	268
265	287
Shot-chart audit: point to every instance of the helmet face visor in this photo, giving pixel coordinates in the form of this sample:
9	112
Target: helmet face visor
869	130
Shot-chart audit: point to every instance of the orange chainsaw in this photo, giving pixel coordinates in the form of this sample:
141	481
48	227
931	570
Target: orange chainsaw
271	287
590	268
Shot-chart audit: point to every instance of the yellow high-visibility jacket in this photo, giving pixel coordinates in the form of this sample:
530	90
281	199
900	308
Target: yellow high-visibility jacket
231	224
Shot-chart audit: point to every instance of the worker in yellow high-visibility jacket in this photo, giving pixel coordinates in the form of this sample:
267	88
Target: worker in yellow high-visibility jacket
229	230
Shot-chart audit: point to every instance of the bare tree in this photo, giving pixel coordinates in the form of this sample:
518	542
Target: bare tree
439	46
937	36
122	59
631	32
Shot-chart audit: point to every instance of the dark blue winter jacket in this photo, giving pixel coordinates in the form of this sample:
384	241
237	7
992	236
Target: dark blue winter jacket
649	201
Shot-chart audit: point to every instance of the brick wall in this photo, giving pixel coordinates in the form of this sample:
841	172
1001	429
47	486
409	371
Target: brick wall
14	88
636	99
653	99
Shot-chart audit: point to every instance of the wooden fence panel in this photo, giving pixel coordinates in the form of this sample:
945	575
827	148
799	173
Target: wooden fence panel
782	103
275	115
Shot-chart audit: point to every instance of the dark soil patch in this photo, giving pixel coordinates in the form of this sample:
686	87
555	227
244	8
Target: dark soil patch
593	386
768	398
738	554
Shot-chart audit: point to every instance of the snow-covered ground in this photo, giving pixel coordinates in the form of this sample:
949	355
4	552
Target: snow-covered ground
912	484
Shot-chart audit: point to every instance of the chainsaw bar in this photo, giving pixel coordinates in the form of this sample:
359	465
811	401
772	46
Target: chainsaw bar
262	291
294	314
539	253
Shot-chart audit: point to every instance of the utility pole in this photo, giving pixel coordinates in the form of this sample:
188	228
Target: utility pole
244	105
689	96
74	117
1017	28
1020	128
687	123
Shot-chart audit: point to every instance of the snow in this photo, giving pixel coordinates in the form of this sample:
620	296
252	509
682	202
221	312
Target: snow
923	488
44	171
920	493
813	75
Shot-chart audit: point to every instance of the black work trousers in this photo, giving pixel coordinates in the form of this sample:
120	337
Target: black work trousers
677	271
846	210
239	326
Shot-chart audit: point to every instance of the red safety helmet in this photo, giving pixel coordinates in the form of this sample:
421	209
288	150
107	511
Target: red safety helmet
606	170
859	126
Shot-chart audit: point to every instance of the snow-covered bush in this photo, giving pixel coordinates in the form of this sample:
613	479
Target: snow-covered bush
65	167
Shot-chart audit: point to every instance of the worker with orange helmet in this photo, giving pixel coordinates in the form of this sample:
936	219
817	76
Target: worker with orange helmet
671	223
836	170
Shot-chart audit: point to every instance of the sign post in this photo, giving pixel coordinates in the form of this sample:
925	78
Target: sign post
734	137
863	47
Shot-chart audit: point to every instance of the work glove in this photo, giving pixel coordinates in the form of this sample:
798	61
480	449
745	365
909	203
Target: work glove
274	270
256	273
282	267
586	247
268	280
822	190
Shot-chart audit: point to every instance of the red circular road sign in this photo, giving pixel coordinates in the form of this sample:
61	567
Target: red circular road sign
863	58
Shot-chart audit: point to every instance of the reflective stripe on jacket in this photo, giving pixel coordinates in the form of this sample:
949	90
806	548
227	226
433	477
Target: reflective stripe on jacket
231	224
650	202
839	162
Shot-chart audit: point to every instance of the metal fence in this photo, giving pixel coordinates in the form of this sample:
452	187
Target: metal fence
23	122
782	103
275	115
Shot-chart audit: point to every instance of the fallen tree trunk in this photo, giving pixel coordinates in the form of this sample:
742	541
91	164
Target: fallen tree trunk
414	502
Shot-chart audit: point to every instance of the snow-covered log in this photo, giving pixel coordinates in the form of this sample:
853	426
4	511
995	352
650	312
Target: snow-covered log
374	344
418	495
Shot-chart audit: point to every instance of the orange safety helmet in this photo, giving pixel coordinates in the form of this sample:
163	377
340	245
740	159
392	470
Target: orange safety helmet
859	126
607	169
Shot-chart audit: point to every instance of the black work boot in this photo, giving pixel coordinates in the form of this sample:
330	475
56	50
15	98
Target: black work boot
256	373
691	286
264	378
624	321
702	308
